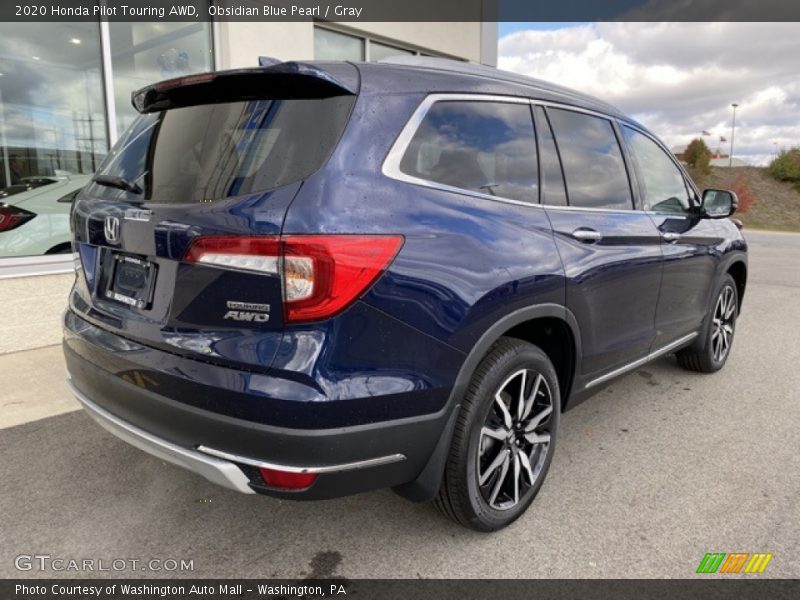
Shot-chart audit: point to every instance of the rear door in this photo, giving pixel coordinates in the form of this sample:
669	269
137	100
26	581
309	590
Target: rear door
189	171
611	251
688	242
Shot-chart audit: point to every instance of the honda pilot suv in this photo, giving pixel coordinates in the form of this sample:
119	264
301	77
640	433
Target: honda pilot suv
314	279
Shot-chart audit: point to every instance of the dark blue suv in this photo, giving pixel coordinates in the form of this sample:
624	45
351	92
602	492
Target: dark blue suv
311	280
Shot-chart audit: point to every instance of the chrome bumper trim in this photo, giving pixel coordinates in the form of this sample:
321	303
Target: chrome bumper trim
361	464
215	470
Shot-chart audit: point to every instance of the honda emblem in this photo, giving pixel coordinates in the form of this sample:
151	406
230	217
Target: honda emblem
111	229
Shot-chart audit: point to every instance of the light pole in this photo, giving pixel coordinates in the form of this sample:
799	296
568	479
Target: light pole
733	132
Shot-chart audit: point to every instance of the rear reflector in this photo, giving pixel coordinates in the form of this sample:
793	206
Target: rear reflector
322	274
287	481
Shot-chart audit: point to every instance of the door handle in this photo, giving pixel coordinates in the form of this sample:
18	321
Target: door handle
670	236
587	236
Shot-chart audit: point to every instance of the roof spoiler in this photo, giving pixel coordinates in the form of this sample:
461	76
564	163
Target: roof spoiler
285	80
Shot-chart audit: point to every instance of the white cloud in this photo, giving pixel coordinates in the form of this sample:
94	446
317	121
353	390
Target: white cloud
678	78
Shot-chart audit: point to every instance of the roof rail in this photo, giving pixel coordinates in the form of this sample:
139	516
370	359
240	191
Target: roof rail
268	61
461	67
465	68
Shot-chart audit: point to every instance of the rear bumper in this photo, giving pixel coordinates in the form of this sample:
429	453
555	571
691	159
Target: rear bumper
217	471
228	450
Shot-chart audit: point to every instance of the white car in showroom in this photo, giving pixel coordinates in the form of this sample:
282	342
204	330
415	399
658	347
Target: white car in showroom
37	221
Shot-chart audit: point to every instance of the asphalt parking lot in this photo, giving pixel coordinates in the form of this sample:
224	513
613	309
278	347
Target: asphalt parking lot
648	476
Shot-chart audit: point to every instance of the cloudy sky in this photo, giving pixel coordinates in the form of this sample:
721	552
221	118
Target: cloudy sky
678	79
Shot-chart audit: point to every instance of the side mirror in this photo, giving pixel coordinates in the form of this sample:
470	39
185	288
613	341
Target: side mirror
719	204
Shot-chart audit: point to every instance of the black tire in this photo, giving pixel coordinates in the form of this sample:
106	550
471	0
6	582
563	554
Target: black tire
704	355
64	248
509	365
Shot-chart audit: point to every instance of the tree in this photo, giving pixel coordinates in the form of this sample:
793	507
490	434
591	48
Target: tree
786	166
743	191
698	156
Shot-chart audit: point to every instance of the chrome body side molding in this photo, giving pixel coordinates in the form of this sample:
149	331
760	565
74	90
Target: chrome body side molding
644	360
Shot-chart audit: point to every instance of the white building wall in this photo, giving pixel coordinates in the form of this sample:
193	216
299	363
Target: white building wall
241	44
32	308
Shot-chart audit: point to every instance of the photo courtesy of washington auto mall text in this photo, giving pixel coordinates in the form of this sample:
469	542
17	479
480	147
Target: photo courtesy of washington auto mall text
400	299
174	590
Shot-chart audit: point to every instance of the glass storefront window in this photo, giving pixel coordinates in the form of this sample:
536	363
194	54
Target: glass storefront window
53	119
143	53
332	45
52	129
378	51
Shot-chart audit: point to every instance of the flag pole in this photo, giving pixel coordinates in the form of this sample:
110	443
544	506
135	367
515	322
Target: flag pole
733	132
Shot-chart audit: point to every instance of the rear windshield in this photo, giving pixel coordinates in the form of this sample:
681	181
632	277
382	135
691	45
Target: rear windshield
208	152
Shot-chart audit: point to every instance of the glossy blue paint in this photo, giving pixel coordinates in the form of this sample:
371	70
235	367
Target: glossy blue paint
398	352
612	284
690	265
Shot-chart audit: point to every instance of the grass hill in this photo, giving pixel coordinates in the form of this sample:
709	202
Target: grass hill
775	204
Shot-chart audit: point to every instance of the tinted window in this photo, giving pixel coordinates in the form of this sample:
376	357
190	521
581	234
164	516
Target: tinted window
553	191
664	187
208	152
486	147
592	159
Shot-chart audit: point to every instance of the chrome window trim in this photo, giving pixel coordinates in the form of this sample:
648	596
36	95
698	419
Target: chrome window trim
645	359
624	211
391	164
588	111
660	213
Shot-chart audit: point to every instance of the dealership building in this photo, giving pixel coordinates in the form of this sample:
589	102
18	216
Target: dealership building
65	92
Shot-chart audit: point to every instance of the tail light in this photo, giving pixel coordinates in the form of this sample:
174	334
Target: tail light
12	217
322	274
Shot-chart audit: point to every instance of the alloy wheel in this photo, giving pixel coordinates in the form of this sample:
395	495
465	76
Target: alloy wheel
514	440
723	323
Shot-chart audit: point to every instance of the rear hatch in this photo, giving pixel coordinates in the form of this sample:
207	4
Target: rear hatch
213	162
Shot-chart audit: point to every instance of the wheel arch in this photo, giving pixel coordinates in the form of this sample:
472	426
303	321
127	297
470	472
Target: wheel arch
544	325
525	323
738	270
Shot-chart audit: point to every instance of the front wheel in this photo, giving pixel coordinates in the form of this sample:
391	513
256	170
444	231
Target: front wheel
709	353
504	438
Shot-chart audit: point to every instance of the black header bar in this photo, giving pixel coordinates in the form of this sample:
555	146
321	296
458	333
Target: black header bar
739	587
400	10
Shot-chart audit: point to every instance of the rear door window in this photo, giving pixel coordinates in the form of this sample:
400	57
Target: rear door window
552	178
480	146
207	152
592	159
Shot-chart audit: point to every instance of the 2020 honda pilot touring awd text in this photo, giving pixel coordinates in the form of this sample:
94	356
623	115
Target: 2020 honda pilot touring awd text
311	280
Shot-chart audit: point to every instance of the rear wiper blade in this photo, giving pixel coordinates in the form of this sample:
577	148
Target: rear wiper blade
119	183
